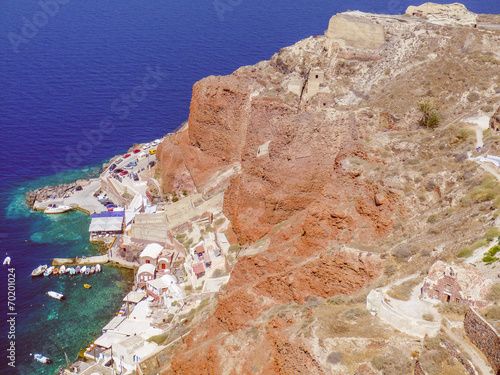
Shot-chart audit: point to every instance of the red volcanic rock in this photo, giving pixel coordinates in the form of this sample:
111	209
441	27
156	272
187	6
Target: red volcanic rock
301	193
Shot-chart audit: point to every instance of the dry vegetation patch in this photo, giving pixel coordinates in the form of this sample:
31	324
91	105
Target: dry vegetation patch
403	291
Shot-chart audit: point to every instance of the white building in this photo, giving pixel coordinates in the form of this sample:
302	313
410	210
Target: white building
145	273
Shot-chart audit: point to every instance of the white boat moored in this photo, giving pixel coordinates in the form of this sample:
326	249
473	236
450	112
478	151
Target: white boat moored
39	270
55	295
6	261
41	358
48	271
57	208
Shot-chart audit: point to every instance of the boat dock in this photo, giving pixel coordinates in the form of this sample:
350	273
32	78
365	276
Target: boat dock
99	259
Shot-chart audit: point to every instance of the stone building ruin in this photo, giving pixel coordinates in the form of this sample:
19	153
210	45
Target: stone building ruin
459	283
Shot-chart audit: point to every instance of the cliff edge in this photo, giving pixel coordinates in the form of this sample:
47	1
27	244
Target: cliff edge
327	172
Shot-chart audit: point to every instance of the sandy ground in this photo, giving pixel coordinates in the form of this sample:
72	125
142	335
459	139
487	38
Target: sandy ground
482	123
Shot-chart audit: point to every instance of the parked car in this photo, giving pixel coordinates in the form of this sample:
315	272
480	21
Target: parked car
136	178
133	163
78	188
112	166
124	173
137	151
152	152
146	146
119	170
126	156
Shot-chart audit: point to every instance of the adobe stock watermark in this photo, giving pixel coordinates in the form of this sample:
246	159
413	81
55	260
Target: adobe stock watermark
30	28
93	138
223	6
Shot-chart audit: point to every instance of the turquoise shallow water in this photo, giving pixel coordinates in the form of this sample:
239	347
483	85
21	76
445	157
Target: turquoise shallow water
45	325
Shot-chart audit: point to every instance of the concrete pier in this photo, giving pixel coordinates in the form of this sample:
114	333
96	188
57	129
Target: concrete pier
101	259
82	200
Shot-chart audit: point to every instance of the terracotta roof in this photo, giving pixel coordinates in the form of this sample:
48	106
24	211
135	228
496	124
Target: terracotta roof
199	249
198	268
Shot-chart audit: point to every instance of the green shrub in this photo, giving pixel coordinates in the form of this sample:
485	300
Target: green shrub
175	199
219	222
390	269
432	219
429	118
234	248
428	317
465	133
493	232
180	236
355	313
334	358
478	244
465	252
158	339
489	256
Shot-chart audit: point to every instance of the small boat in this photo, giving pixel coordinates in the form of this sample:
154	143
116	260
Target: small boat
71	270
6	261
41	358
98	268
39	270
62	270
87	271
87	286
83	270
92	269
48	271
55	295
78	269
56	271
57	208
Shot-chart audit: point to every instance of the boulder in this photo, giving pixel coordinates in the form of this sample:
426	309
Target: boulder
352	31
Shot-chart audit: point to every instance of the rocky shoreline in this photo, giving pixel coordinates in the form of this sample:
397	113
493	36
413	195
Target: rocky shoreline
54	192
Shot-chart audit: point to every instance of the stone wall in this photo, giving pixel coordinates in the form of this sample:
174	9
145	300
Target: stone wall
484	336
410	325
455	353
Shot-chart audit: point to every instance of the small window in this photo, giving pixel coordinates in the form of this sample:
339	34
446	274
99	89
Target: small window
317	76
147	261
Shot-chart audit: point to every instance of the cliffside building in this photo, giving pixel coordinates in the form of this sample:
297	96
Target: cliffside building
456	284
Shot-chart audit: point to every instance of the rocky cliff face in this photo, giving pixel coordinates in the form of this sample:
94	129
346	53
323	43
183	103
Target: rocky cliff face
313	150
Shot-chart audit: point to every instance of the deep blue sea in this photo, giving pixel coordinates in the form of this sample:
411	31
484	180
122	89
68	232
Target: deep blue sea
81	81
